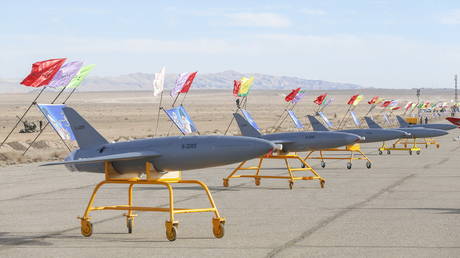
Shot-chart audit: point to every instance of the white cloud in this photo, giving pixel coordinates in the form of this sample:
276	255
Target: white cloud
313	12
250	19
452	17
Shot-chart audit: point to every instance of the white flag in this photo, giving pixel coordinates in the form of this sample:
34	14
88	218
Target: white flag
158	82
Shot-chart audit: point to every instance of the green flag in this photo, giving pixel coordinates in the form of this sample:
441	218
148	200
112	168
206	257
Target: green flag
81	75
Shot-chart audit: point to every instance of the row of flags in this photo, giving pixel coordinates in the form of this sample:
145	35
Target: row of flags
55	73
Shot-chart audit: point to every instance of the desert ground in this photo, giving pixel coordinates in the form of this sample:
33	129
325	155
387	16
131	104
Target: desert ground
128	115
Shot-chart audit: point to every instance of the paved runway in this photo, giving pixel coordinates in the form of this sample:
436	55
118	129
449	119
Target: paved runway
405	206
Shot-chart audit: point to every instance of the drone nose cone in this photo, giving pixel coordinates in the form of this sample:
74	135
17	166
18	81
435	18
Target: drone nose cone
261	146
450	127
352	138
441	132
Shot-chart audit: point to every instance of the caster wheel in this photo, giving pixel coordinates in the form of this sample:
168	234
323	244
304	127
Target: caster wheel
368	164
410	152
303	165
426	146
380	152
323	164
388	152
417	152
437	146
86	228
130	224
321	183
291	184
405	145
349	165
171	232
225	182
394	145
257	181
218	229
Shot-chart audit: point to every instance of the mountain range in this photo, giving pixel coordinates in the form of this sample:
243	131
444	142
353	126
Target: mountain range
221	80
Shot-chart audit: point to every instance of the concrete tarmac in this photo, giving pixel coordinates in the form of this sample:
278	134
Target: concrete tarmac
404	206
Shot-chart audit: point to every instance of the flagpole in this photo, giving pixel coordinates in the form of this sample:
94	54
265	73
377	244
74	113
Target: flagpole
282	121
174	102
282	114
158	116
70	94
22	117
340	124
43	129
233	117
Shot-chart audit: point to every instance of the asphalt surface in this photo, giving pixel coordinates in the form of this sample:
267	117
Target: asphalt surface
404	206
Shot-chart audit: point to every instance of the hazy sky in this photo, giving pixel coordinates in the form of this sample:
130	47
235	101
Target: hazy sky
391	44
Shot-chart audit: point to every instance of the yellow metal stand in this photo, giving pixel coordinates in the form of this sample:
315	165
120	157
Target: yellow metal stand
171	224
355	148
291	178
426	142
411	149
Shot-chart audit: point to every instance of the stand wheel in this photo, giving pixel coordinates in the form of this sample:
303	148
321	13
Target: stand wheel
323	164
171	233
388	152
291	184
426	146
303	165
368	164
130	224
257	181
349	165
418	152
405	145
218	230
86	228
321	183
225	182
410	152
380	152
437	146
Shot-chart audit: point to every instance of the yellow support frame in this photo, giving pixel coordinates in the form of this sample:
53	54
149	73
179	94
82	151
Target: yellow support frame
291	178
426	142
355	148
406	148
171	224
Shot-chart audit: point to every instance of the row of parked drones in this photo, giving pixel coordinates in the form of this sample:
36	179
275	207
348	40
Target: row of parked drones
160	161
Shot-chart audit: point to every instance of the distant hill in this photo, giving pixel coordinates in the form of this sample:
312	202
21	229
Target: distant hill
222	80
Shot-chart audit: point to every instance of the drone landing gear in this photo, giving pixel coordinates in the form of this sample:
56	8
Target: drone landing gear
352	149
291	178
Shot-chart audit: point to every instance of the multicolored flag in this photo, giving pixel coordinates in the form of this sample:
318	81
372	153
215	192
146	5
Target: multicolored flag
319	100
183	83
386	103
373	100
43	72
355	99
292	95
395	108
408	105
327	102
65	74
246	84
298	97
236	87
159	82
81	75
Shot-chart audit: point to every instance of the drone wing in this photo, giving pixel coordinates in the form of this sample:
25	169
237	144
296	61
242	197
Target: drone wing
114	157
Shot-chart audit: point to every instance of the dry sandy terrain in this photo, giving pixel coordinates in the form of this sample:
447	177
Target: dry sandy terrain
126	115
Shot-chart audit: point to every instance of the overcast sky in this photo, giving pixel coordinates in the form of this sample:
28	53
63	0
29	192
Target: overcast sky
390	44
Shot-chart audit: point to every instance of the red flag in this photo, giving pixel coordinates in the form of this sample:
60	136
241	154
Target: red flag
395	108
373	100
43	72
292	95
319	100
386	103
236	87
188	83
352	99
